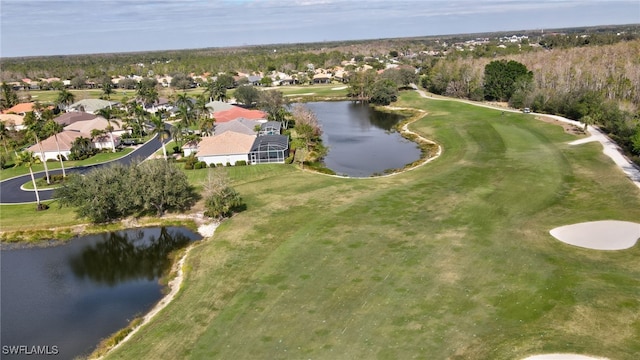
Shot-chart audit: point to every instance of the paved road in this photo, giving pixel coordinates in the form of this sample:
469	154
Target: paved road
10	192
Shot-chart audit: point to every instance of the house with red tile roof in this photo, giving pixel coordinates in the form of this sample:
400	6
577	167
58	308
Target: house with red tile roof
238	112
20	109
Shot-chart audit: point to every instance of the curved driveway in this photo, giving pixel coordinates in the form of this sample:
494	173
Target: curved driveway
10	192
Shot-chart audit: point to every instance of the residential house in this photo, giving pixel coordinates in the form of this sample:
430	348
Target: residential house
270	128
99	123
238	112
161	104
13	121
72	117
49	149
20	109
269	149
322	78
91	106
217	106
254	80
239	125
225	149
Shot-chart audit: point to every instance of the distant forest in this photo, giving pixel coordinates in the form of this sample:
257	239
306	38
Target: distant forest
587	74
295	57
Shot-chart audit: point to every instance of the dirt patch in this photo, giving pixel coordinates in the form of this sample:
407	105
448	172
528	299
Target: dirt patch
568	128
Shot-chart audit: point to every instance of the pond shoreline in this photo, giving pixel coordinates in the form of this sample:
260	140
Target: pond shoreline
426	155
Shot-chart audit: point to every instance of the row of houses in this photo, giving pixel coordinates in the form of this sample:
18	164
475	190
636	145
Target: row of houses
239	134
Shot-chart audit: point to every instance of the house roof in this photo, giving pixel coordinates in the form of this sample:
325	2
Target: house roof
91	105
72	117
227	143
20	108
65	139
11	119
270	142
215	106
271	125
240	125
98	122
238	112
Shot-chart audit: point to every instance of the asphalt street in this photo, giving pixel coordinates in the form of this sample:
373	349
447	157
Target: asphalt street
10	192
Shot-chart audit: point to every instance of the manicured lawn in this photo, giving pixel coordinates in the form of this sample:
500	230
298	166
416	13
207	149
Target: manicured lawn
23	217
450	260
96	159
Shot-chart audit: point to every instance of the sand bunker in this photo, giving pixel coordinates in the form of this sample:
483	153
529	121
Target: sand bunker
599	235
563	357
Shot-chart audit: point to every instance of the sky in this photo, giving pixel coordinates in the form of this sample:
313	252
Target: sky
64	27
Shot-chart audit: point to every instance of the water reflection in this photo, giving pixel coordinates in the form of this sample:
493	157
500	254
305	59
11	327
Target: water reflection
361	140
76	294
127	256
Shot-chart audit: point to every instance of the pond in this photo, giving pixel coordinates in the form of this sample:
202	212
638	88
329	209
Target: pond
67	298
361	140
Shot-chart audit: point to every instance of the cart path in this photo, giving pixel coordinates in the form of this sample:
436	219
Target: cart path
609	148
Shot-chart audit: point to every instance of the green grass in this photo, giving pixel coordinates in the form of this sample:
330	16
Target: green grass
24	218
96	159
450	260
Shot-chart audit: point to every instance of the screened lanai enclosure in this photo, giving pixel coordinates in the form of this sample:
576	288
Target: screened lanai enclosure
269	149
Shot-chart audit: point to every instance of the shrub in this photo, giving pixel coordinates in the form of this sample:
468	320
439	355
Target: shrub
219	165
203	164
198	165
223	203
188	166
289	159
228	163
212	165
176	149
241	162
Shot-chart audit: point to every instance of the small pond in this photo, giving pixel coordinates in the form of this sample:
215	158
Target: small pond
361	140
72	296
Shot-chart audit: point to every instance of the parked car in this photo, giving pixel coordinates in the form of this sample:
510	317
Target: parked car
526	110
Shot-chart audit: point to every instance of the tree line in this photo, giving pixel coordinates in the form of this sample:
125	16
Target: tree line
597	85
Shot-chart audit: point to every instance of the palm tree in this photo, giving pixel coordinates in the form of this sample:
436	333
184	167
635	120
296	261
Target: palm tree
146	95
183	99
34	127
4	135
107	114
206	125
52	127
26	158
81	147
201	107
209	89
177	131
141	115
65	98
107	90
161	131
186	114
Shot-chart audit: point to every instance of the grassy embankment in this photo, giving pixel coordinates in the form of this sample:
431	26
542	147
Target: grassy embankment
450	260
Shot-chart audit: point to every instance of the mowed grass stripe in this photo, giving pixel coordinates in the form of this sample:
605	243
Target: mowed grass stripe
451	260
